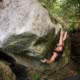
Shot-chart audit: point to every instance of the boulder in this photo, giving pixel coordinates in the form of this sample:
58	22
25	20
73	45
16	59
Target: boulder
6	72
28	34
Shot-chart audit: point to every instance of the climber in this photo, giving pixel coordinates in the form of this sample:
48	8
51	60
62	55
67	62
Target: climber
57	52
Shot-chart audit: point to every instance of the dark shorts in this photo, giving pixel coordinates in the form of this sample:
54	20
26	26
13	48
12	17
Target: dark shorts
60	53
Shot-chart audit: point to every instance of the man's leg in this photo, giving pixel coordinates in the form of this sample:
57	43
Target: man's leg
60	43
65	36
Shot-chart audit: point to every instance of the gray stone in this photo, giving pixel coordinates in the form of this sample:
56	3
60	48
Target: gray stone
27	34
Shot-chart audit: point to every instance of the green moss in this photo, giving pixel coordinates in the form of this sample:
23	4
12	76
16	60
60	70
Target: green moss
6	72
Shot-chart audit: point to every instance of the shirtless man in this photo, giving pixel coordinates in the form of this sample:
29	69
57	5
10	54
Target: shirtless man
58	50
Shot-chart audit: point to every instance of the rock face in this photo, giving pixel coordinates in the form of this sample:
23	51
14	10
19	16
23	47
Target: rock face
27	34
75	44
5	72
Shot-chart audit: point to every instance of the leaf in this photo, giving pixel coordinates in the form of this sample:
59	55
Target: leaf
36	77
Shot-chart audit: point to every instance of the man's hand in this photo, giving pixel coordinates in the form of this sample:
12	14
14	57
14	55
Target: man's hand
44	60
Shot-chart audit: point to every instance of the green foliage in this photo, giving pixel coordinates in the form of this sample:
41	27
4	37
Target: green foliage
68	10
52	5
72	27
36	77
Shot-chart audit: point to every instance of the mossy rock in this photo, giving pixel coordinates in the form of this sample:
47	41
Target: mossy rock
6	72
